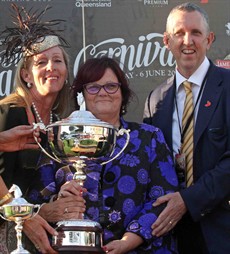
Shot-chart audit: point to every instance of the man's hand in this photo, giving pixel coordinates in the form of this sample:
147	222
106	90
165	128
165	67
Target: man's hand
36	229
172	213
18	138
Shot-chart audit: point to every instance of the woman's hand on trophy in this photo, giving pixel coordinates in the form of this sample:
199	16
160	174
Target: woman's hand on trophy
19	138
63	208
36	229
71	188
128	242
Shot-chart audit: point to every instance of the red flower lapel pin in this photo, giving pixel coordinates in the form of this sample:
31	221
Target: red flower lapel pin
208	104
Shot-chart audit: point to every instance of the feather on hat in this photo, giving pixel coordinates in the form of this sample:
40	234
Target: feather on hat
30	35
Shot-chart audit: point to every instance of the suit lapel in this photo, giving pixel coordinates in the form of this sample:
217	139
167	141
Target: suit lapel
208	103
165	110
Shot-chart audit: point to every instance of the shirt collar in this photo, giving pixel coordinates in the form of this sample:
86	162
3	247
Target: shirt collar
197	77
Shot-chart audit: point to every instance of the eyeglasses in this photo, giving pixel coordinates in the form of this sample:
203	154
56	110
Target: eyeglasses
94	88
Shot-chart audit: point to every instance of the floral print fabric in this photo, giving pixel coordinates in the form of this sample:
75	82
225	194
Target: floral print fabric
120	193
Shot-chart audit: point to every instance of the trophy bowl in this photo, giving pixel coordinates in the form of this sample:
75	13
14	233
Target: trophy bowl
13	211
73	141
80	135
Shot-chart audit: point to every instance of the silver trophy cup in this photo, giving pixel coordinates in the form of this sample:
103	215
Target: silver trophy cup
18	210
74	140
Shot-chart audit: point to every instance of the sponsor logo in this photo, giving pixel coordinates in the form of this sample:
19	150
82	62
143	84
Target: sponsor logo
154	3
93	3
225	63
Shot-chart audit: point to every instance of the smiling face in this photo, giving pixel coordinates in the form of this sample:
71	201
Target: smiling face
188	39
103	105
47	72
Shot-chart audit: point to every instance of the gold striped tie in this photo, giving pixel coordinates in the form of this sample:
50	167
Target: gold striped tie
187	146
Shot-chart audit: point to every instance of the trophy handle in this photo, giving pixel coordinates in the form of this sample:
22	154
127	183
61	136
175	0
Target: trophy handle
1	211
35	213
120	132
43	150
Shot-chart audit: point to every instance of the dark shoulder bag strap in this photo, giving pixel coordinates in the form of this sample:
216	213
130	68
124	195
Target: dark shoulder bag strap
3	113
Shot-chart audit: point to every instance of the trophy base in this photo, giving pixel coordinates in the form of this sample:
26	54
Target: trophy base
78	236
20	251
80	250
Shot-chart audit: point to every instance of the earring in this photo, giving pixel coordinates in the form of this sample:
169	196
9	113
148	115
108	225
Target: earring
29	85
123	110
66	82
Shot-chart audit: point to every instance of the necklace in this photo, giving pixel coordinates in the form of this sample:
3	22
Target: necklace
41	124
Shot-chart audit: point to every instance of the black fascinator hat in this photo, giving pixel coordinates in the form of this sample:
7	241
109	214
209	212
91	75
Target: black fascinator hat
30	35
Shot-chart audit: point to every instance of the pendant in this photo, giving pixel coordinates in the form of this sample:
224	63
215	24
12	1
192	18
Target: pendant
41	126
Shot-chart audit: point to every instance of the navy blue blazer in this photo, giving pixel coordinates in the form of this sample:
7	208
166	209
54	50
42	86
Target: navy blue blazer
208	199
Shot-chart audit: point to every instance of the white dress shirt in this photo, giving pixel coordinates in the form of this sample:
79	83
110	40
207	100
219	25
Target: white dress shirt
196	79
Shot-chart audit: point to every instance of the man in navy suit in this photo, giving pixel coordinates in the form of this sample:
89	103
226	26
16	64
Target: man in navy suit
200	212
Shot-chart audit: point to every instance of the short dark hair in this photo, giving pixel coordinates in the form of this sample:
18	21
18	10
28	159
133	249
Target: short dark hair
93	69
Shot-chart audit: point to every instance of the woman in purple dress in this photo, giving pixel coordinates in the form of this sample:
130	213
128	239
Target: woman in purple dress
120	194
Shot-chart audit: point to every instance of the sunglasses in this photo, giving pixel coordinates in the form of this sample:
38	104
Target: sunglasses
94	88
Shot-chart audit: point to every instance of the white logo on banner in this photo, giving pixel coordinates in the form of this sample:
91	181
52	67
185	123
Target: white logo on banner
93	3
228	29
154	3
149	50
